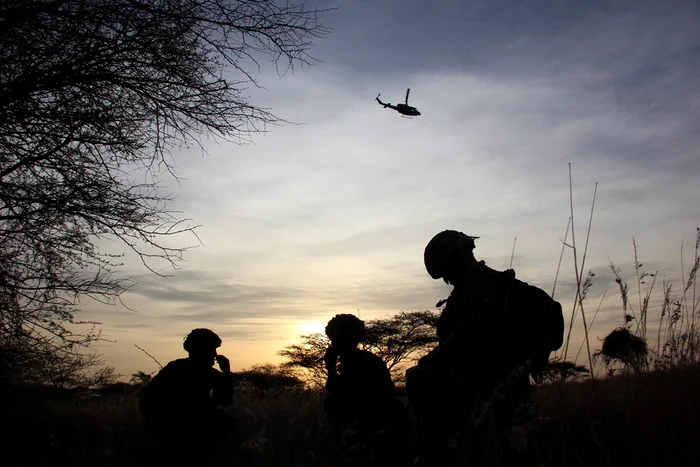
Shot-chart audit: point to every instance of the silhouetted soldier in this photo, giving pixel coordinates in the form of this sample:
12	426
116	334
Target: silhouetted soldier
180	404
362	406
495	332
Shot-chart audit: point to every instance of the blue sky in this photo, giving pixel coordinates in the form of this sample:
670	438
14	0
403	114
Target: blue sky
331	215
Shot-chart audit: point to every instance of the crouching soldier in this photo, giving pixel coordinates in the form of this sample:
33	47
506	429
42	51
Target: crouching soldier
494	333
181	403
362	406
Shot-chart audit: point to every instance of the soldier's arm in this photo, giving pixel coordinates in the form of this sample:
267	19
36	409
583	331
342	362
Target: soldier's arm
478	311
468	339
376	376
157	393
334	382
222	392
385	378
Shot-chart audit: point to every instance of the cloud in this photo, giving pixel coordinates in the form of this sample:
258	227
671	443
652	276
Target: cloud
332	215
128	326
200	287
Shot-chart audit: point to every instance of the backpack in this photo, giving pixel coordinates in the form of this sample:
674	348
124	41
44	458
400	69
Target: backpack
542	317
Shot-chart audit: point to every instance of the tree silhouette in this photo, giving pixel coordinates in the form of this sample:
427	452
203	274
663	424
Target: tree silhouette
561	371
395	339
94	96
306	358
141	378
266	377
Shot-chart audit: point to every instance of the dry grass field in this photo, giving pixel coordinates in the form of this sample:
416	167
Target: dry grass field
649	419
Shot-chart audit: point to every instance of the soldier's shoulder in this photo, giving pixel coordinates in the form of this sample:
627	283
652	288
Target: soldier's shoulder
365	354
489	278
369	358
171	371
176	365
536	293
179	362
509	274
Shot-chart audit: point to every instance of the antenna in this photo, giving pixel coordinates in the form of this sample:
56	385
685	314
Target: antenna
512	254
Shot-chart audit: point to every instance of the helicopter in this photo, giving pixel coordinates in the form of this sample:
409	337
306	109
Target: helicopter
403	109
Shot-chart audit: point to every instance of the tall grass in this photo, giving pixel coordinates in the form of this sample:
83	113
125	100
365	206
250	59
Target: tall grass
641	420
677	337
580	282
275	428
677	342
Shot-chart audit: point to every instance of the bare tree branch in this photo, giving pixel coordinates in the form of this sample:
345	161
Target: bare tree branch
94	93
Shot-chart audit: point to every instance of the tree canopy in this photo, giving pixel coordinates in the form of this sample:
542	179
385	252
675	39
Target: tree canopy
395	339
95	95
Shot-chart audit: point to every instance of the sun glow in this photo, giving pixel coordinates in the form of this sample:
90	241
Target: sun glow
312	327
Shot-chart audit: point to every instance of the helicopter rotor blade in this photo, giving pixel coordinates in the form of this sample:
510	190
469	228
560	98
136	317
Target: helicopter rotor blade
407	91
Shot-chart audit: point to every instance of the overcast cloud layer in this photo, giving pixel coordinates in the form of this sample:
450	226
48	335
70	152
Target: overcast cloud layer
332	215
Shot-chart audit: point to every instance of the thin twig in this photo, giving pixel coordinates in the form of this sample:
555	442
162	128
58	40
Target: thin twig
561	255
684	299
154	358
578	278
592	321
583	261
664	310
639	288
647	299
563	245
697	245
578	301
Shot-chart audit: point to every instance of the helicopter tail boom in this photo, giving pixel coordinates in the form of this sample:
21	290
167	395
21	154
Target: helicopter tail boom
403	109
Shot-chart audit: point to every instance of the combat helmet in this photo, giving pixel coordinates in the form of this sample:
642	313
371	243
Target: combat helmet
201	339
345	329
446	251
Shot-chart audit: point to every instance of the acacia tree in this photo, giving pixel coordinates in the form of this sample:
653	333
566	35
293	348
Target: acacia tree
396	340
562	371
306	358
94	97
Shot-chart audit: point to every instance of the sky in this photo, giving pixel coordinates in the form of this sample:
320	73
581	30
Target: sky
331	214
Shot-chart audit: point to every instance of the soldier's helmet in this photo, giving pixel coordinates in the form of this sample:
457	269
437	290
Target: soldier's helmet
200	340
345	329
445	251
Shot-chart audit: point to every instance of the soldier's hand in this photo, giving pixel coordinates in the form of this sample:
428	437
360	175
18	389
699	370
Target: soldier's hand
224	363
